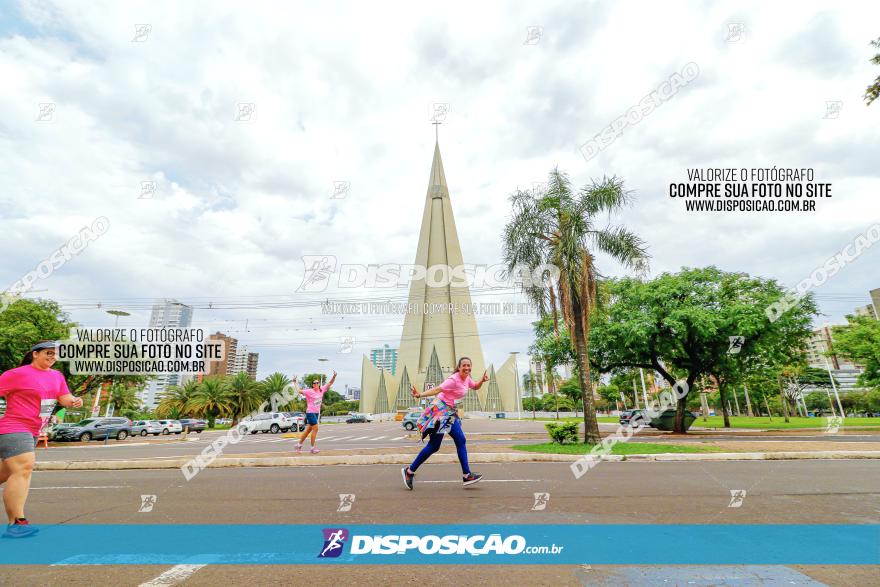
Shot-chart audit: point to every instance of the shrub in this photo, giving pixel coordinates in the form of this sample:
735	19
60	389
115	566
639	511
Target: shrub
562	432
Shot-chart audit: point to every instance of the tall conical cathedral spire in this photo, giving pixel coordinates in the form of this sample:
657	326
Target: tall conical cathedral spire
443	327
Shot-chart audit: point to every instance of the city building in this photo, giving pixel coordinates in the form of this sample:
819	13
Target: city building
818	355
432	341
244	362
867	310
875	301
230	350
252	362
384	358
168	313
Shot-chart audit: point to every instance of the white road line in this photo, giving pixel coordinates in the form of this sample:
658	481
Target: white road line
493	481
344	437
360	438
173	576
328	437
380	437
398	438
83	487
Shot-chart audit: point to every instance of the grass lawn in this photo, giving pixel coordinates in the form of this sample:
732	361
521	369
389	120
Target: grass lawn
621	448
763	423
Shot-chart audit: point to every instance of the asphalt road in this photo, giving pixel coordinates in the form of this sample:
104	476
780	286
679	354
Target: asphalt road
354	437
840	491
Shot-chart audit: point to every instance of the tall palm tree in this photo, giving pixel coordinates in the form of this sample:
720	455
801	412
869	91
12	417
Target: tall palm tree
245	395
123	397
561	227
276	383
211	399
173	402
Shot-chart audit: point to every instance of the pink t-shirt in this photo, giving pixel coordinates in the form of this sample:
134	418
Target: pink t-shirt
30	395
313	398
455	388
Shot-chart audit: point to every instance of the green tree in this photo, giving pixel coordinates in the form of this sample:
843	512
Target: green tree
123	397
174	401
873	91
859	342
680	326
562	228
24	323
211	399
275	385
243	395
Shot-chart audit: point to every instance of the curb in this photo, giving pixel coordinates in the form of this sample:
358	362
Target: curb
402	459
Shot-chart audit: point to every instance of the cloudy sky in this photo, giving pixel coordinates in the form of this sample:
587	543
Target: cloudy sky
344	92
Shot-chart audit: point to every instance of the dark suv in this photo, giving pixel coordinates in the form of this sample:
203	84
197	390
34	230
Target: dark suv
193	424
627	416
96	429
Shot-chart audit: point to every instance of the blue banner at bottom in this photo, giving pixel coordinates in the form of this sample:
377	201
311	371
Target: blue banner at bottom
171	544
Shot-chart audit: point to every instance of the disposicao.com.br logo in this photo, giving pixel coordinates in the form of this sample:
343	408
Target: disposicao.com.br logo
456	544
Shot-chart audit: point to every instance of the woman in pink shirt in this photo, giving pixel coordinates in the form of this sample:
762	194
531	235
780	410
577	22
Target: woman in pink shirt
443	418
313	396
31	391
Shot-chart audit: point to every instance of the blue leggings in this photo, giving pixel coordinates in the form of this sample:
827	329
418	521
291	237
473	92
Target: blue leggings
434	445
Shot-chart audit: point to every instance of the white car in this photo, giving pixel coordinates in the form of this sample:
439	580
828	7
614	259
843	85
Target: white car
273	422
169	426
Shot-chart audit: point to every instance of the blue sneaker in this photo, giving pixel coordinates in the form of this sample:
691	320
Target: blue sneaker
19	529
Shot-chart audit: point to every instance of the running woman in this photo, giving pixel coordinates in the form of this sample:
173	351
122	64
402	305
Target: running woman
313	396
441	417
31	390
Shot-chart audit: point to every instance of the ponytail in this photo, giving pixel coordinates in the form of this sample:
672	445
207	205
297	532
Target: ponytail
28	358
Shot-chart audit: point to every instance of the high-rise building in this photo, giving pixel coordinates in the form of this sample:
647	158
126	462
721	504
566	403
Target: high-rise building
866	311
166	314
230	350
252	361
384	358
244	362
432	341
875	301
818	355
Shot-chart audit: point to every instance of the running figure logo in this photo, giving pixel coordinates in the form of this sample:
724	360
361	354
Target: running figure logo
334	541
147	503
346	500
736	344
318	269
541	501
737	496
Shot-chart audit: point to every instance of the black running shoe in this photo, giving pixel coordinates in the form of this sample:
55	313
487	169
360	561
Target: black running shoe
470	479
20	529
407	477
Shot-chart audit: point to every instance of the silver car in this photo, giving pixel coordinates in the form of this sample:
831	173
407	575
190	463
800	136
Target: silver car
144	427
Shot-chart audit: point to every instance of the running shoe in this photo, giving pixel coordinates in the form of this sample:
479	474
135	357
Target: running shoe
470	479
298	449
407	477
314	451
20	529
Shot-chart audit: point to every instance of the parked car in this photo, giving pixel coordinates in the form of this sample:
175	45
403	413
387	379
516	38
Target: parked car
299	420
409	420
357	419
169	426
273	422
193	424
97	429
144	427
53	430
626	417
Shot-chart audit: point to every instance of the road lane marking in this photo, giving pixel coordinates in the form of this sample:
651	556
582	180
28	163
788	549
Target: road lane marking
173	576
494	481
360	438
380	437
398	438
83	487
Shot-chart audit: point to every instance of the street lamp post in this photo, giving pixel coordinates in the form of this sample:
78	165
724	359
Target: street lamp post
95	410
834	387
516	385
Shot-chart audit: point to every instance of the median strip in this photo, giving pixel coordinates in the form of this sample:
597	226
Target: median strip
398	459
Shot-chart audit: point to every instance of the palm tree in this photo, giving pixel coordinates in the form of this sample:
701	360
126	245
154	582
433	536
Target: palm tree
123	397
212	398
560	227
173	403
245	395
274	384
